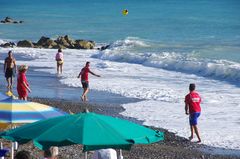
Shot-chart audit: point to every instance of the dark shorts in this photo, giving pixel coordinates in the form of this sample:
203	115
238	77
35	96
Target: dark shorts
193	118
9	73
85	84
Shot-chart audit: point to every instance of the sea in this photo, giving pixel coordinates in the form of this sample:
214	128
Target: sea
155	52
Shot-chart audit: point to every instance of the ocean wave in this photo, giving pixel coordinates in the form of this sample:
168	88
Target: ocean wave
128	43
125	51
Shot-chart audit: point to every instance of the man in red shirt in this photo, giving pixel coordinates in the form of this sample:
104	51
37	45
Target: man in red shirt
193	109
84	79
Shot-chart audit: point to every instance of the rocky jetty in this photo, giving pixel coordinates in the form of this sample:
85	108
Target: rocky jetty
9	20
61	42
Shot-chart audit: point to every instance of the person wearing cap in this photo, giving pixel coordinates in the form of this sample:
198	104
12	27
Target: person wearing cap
22	83
10	68
193	109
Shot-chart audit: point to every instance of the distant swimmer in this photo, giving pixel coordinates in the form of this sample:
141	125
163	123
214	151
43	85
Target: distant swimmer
193	109
84	80
10	68
59	59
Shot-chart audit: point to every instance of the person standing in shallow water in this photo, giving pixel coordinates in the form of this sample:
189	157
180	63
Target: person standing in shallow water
10	69
84	80
193	109
59	59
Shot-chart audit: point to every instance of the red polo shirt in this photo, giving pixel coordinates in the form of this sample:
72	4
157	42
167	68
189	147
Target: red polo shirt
193	100
85	71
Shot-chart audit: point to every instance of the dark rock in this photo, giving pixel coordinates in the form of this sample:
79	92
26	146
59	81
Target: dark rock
70	41
59	46
9	44
84	44
42	41
50	44
104	47
9	20
21	21
25	43
62	41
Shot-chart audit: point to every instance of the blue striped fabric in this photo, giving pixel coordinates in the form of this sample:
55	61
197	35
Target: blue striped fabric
20	111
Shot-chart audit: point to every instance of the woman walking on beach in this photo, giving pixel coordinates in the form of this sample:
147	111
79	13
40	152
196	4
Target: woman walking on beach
22	83
59	59
84	80
193	109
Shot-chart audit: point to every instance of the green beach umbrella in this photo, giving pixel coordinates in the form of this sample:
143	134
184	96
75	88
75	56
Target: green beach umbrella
93	131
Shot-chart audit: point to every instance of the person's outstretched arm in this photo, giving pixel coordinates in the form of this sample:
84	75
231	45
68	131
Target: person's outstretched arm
94	74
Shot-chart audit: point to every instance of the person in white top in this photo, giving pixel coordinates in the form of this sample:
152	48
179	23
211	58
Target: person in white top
59	59
105	154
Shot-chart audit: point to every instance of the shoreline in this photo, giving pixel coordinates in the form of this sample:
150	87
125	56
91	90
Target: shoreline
100	104
172	147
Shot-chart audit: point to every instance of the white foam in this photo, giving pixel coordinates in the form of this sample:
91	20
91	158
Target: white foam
125	51
163	93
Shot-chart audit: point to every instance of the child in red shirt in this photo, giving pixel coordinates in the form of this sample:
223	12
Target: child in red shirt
22	83
193	109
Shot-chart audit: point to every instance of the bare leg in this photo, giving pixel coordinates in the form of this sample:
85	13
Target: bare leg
197	133
8	82
192	131
61	68
11	84
86	99
84	95
57	68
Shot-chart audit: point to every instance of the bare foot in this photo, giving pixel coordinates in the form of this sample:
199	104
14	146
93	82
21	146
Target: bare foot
190	138
82	98
70	112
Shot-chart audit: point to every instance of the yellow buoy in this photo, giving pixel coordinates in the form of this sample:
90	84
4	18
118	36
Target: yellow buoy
125	12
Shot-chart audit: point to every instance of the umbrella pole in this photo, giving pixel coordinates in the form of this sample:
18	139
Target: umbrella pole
1	147
85	155
14	145
120	154
12	150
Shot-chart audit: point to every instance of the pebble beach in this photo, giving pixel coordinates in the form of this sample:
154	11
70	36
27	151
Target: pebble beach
172	146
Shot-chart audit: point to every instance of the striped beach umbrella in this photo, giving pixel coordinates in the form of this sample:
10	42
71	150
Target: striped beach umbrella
14	111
